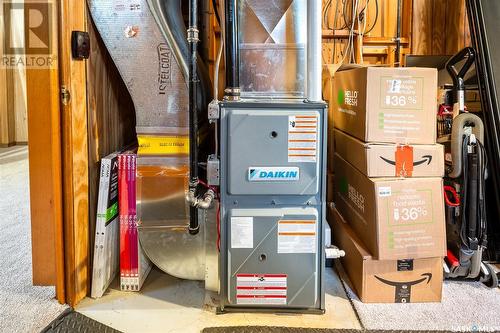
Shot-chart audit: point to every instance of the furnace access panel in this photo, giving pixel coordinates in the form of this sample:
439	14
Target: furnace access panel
272	205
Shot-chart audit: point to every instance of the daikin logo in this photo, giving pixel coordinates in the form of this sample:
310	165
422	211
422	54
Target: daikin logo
273	174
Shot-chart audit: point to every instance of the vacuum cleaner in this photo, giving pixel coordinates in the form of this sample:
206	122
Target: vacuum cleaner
464	186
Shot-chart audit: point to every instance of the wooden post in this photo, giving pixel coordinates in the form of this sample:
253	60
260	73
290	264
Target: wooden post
44	126
7	117
72	17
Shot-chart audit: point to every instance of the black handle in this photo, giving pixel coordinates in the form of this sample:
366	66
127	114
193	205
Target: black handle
469	54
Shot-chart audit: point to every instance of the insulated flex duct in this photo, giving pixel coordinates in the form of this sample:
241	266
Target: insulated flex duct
148	62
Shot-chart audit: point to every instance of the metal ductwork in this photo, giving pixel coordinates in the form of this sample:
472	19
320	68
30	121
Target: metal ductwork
272	41
148	44
314	51
273	52
133	40
279	53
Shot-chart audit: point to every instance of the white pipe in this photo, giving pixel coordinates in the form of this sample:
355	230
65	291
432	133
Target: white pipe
314	59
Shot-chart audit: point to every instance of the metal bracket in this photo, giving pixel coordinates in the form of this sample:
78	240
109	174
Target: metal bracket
65	96
193	35
213	110
213	171
80	45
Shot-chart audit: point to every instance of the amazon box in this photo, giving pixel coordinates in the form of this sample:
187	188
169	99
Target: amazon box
381	104
396	218
386	281
390	160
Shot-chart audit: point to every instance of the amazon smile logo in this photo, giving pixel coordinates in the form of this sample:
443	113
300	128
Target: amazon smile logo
402	290
425	159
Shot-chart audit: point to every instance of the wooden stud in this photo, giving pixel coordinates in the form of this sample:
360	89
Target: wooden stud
439	17
72	17
42	96
422	26
455	37
7	118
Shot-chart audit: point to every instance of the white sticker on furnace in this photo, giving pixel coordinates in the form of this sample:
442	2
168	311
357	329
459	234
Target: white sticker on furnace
242	232
261	289
302	139
297	236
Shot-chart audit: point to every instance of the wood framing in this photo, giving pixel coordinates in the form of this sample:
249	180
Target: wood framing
7	125
72	17
440	27
377	46
44	126
13	118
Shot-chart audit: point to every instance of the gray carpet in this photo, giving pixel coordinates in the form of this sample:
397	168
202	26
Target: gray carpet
23	308
466	306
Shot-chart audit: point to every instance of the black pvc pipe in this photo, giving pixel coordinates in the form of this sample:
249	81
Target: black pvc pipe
232	49
193	40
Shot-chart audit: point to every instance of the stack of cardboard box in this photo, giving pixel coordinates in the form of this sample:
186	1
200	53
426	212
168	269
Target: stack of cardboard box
388	192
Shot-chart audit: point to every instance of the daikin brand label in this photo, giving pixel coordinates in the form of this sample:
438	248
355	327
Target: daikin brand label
273	174
262	289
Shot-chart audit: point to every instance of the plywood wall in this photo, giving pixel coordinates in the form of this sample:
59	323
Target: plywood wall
440	27
377	46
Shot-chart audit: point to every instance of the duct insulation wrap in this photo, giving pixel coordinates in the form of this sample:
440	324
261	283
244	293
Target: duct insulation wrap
272	41
147	63
147	42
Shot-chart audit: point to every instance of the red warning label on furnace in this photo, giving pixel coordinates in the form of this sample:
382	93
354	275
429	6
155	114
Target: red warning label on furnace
256	289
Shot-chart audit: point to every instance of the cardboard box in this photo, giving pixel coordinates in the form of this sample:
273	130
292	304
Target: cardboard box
390	160
381	104
386	281
396	218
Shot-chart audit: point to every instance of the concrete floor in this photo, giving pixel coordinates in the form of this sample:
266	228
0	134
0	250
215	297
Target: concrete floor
171	305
